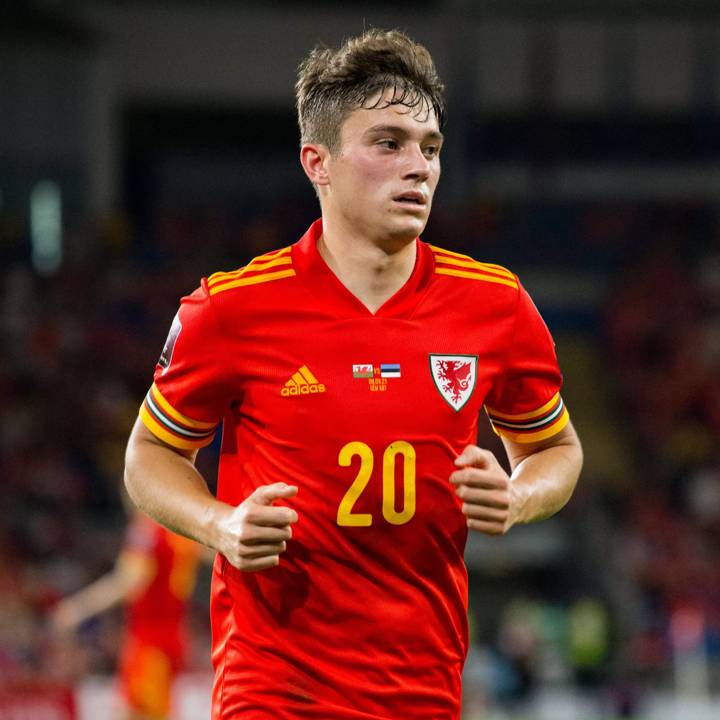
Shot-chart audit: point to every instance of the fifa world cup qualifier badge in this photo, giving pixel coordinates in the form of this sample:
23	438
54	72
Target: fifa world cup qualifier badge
166	355
454	377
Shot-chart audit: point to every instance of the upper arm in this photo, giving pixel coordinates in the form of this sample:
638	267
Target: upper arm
140	436
517	452
524	404
193	383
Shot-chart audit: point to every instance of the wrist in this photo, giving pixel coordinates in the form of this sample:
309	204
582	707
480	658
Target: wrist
213	521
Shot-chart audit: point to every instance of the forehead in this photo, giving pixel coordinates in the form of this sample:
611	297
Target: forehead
418	119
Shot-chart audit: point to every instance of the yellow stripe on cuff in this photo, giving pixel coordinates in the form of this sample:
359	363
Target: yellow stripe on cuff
543	434
160	432
525	416
173	414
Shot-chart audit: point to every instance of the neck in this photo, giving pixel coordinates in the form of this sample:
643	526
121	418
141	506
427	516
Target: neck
372	269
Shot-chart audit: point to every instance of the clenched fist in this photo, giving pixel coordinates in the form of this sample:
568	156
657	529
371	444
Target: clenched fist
255	532
489	503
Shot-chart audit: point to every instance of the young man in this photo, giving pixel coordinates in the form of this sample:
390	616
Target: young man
153	577
349	370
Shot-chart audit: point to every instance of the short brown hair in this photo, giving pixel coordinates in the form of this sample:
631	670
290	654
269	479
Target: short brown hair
333	83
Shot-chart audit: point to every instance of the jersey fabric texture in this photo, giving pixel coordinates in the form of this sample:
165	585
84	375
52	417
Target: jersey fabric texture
154	647
366	615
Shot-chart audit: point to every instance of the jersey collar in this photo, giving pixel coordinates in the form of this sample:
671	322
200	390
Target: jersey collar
324	285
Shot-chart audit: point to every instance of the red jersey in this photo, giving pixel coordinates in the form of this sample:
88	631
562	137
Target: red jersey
366	615
157	615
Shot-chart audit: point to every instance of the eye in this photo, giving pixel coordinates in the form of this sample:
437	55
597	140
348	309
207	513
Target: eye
389	143
431	150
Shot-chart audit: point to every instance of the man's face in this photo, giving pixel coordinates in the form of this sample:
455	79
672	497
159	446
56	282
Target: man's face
383	177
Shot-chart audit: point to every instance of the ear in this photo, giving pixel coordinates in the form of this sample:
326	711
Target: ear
313	158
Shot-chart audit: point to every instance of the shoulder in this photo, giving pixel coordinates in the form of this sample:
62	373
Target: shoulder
267	268
456	268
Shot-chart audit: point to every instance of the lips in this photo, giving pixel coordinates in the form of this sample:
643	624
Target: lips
411	198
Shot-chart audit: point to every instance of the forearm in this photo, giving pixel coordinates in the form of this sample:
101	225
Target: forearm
544	481
167	486
93	600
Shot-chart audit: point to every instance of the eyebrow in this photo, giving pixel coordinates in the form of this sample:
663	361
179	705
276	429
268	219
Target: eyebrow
397	130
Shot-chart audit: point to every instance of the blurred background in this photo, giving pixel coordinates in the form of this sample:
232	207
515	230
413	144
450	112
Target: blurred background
146	144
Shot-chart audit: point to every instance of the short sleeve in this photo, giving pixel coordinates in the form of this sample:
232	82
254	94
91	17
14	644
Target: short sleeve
525	403
191	390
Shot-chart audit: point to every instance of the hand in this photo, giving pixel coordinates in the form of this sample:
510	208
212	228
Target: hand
486	491
255	533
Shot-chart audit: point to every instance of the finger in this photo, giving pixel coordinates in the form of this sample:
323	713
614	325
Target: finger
476	478
478	512
277	516
253	565
259	551
475	456
488	498
262	534
487	528
267	494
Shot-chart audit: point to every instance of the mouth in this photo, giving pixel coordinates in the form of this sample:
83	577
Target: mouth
411	199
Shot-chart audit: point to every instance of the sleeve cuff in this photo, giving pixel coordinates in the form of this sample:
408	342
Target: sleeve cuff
534	426
172	427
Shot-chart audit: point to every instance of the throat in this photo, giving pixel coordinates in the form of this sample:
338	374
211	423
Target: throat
372	277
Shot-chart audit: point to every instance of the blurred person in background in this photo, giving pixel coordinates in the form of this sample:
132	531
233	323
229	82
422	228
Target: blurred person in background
154	577
349	371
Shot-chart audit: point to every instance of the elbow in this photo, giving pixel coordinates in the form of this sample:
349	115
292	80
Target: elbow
575	459
133	471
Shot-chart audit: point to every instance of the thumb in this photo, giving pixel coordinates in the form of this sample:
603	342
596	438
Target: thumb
267	494
473	456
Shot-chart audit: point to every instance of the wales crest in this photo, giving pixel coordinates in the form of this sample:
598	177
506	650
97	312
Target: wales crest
454	377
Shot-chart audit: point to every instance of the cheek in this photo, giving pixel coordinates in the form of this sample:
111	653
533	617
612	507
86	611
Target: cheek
370	173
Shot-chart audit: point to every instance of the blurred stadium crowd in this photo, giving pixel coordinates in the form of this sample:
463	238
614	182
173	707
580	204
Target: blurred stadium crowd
635	590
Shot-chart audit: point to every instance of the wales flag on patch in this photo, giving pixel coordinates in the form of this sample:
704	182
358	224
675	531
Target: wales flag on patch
362	371
390	370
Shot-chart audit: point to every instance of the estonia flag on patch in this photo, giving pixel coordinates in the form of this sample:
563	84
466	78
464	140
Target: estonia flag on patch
388	370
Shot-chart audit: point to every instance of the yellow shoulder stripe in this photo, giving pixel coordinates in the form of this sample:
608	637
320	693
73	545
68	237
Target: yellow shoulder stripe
448	257
261	262
437	249
251	280
478	275
475	265
218	278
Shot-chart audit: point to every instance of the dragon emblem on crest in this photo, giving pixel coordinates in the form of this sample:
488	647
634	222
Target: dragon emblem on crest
454	377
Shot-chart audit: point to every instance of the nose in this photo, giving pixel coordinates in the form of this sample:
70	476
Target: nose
418	164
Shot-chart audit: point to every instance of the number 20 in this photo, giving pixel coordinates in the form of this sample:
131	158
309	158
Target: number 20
345	516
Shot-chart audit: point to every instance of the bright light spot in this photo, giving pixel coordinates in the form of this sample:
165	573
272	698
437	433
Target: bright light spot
46	227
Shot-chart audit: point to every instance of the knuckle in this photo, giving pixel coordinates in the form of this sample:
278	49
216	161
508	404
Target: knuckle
243	535
251	515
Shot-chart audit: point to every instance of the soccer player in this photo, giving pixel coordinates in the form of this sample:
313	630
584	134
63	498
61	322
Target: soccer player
349	370
154	576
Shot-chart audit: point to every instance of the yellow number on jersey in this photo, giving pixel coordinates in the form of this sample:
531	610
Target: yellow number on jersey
345	516
399	447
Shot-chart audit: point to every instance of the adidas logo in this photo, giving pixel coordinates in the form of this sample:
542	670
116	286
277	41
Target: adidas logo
303	382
